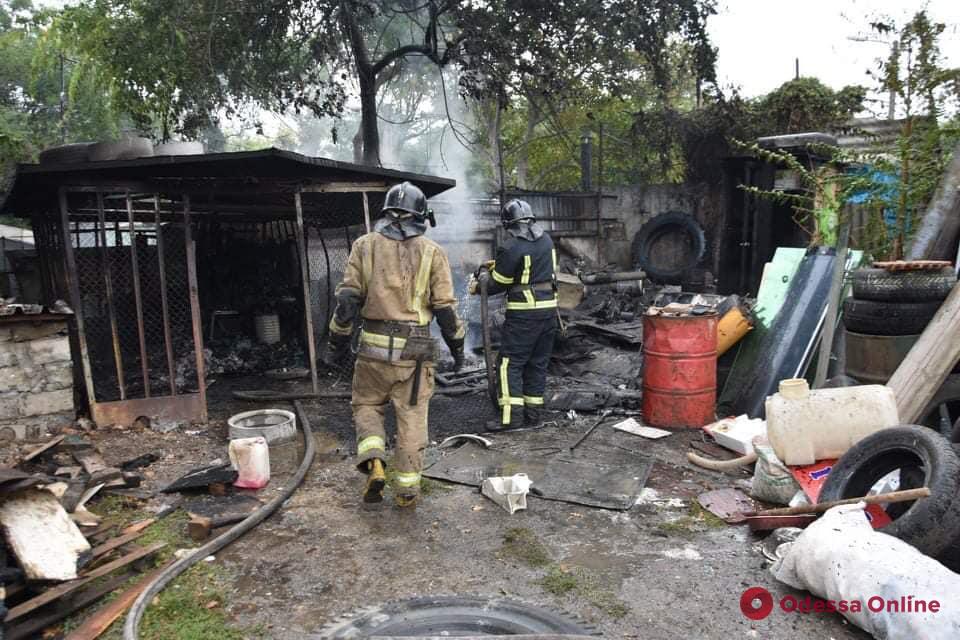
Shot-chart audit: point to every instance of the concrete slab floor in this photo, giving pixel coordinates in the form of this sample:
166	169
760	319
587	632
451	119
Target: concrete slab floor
658	571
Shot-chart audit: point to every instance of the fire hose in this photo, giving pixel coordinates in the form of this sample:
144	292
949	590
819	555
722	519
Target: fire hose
132	624
484	281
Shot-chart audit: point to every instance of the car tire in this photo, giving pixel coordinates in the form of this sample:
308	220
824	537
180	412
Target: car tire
470	615
903	286
928	459
887	318
686	229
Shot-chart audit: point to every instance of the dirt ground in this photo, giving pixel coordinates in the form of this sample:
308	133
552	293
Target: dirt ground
661	570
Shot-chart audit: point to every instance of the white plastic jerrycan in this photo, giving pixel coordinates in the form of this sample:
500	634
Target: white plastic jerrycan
251	458
804	426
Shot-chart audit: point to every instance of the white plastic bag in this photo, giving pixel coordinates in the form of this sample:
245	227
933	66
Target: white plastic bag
840	557
251	458
510	492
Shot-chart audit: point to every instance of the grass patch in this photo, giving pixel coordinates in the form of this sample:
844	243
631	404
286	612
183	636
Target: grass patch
192	607
708	519
559	582
580	584
697	519
523	545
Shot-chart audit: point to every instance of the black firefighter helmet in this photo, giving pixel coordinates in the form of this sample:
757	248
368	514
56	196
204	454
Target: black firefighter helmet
516	211
408	198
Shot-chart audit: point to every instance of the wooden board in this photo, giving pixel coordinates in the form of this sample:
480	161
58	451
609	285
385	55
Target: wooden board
57	592
99	622
44	447
929	361
31	627
42	535
119	541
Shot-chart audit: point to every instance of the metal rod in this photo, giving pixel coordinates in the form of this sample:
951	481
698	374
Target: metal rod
907	495
164	306
305	281
108	285
366	211
326	258
73	285
195	308
138	302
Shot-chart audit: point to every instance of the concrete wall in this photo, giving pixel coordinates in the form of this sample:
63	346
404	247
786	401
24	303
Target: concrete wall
36	378
634	205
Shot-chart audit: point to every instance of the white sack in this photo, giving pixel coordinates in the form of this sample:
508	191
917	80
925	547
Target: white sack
841	557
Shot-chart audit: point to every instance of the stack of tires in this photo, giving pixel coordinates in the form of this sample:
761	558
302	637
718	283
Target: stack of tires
895	303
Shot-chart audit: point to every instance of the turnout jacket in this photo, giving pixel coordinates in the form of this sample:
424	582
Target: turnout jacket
396	281
525	269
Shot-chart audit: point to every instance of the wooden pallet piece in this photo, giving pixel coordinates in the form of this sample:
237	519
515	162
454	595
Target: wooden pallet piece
100	621
61	590
31	627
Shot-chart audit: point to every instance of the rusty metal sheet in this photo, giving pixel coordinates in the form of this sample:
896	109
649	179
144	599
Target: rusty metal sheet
188	407
727	504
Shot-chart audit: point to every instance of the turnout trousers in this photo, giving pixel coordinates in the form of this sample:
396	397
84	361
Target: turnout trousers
376	383
526	343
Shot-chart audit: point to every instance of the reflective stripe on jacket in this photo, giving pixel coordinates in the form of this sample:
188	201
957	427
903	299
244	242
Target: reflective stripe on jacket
521	263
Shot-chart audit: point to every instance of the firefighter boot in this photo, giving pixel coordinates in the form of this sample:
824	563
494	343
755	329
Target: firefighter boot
533	416
376	479
405	501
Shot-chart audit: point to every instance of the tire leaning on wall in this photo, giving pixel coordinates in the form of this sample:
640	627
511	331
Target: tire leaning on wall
903	286
681	225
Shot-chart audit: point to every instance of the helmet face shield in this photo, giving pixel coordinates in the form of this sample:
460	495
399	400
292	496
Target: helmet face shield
516	211
405	198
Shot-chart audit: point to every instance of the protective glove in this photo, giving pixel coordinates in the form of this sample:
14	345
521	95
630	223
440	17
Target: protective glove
336	351
473	285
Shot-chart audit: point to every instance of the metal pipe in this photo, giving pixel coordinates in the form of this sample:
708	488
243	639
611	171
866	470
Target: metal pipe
73	285
195	322
615	276
108	285
305	283
138	301
164	306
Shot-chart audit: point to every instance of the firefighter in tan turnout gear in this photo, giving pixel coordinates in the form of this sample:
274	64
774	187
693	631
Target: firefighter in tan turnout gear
395	283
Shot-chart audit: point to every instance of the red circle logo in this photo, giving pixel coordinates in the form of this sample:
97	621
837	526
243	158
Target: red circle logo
749	600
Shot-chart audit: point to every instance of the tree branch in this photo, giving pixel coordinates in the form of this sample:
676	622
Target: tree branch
401	52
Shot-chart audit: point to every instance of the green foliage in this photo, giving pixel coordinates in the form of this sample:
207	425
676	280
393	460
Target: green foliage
825	188
916	78
35	65
182	65
806	104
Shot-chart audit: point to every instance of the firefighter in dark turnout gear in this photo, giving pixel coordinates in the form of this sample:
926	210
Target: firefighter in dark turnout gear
525	271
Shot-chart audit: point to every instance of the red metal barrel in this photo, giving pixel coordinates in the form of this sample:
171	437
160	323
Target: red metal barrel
680	370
